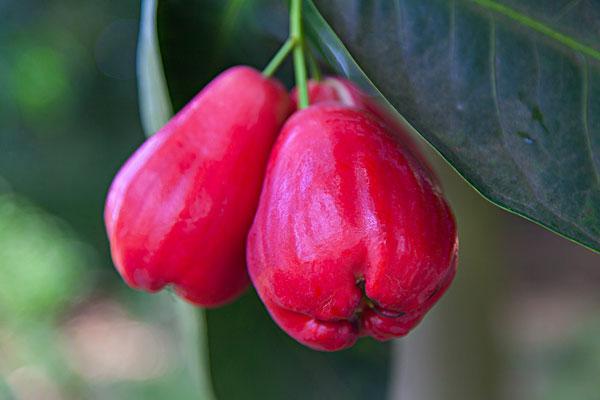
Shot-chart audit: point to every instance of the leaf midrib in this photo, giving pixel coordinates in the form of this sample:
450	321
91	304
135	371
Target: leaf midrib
539	27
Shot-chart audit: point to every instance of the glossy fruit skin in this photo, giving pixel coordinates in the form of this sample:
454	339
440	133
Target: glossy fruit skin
352	236
342	91
179	210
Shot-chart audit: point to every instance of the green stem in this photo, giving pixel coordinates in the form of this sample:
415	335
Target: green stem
297	35
279	57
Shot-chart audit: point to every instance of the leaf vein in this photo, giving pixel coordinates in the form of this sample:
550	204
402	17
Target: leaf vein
585	116
568	7
527	179
539	27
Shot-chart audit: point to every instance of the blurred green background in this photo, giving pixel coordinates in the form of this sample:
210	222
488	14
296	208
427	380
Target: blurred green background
520	322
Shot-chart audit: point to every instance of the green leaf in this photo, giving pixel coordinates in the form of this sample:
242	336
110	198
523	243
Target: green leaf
155	104
508	93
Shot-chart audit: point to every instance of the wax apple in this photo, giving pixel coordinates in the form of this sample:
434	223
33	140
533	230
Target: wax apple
179	210
352	235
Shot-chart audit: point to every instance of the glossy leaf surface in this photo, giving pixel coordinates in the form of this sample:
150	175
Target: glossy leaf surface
508	93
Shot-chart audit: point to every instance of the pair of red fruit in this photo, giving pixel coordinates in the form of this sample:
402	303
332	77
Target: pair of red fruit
336	217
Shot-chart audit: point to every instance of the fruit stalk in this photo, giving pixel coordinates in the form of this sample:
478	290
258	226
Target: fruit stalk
297	34
279	57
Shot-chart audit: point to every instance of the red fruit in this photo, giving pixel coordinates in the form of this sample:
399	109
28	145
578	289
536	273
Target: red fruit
342	91
352	236
179	210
